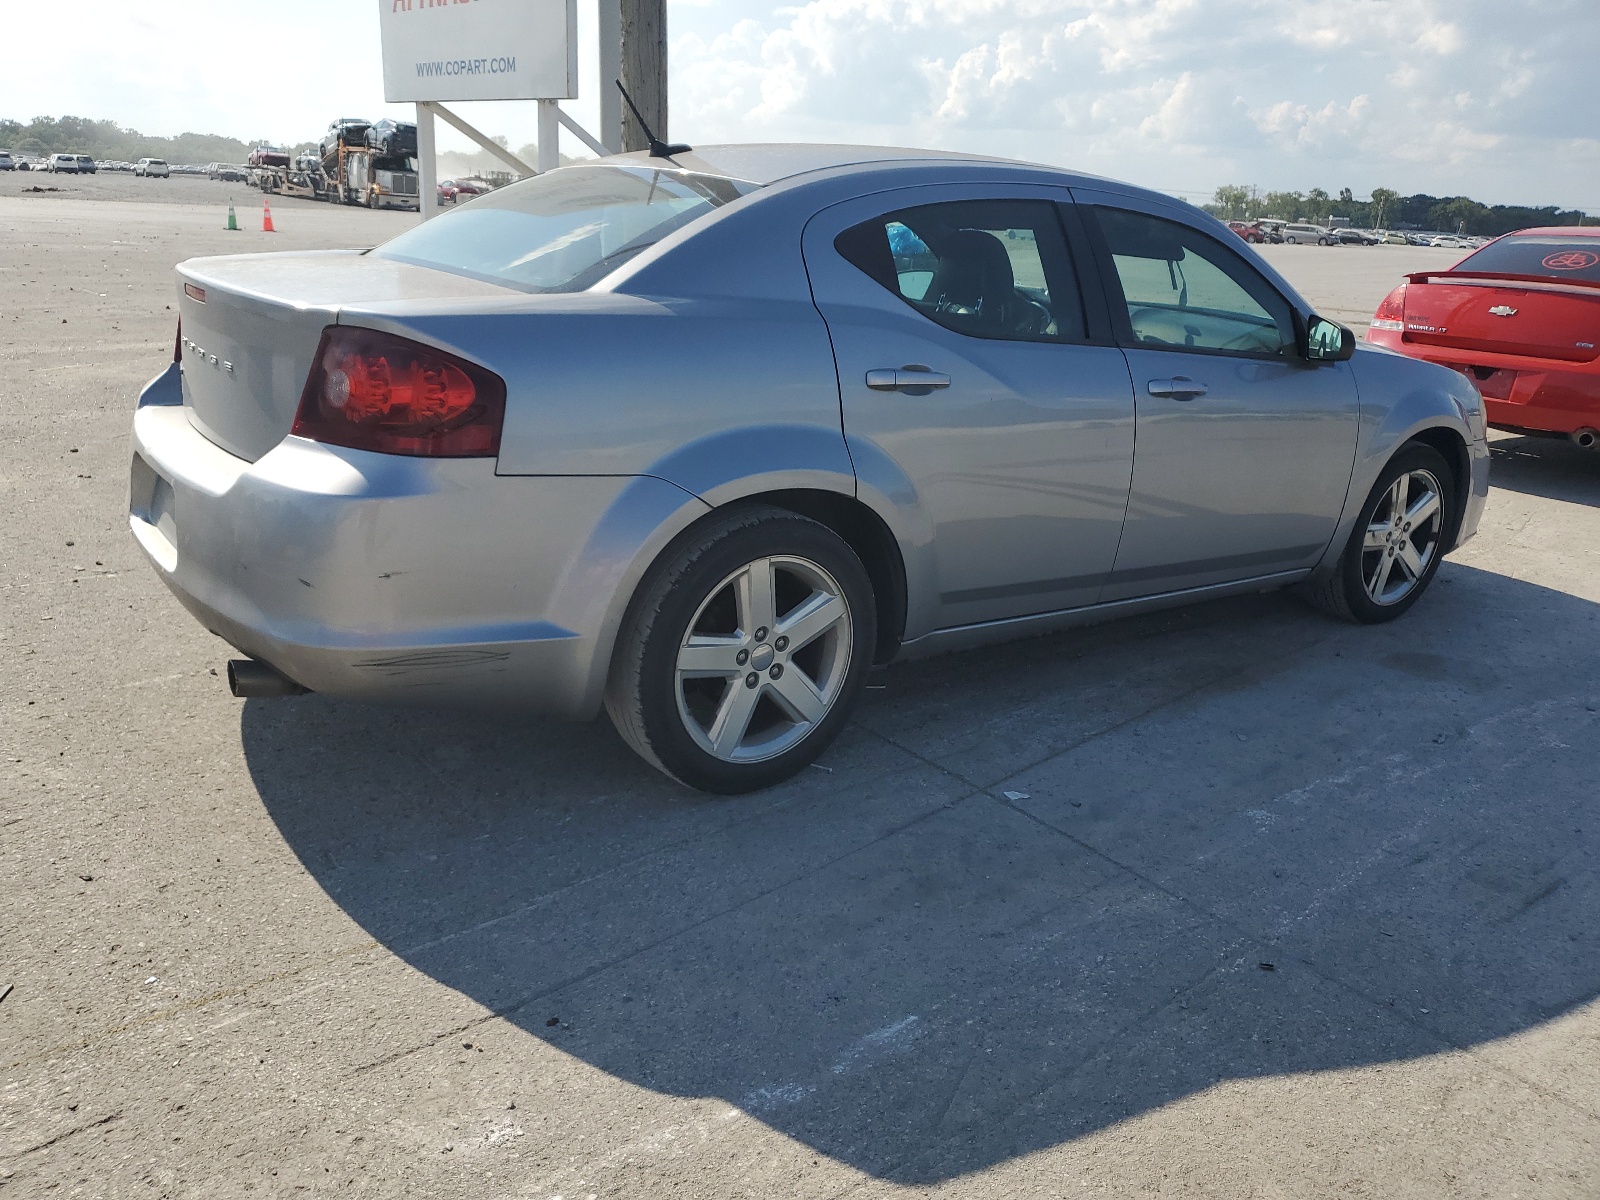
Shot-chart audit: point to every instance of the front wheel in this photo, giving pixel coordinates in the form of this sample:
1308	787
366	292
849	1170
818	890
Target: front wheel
1406	526
743	651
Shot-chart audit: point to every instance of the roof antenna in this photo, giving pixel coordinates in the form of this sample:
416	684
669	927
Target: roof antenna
658	148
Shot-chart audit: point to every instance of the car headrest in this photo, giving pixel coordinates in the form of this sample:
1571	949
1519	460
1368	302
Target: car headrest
974	272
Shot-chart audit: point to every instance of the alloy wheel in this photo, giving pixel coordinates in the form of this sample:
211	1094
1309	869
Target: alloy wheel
764	660
1402	537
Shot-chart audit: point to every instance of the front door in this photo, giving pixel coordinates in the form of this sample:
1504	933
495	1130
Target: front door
969	381
1244	448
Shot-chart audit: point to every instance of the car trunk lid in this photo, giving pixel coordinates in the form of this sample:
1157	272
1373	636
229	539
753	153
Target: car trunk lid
251	324
1504	314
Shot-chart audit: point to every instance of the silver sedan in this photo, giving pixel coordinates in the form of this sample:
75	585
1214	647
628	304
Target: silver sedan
701	439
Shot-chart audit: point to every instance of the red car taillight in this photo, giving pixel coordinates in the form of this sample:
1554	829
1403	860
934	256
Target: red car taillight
1391	312
374	391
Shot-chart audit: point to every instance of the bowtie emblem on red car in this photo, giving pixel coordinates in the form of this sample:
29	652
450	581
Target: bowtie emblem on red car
1502	310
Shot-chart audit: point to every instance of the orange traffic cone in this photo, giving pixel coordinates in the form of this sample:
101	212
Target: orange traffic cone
266	217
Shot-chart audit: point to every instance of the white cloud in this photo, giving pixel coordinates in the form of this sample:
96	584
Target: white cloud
1444	96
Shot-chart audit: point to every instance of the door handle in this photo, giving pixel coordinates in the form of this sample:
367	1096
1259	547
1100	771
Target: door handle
910	378
1179	387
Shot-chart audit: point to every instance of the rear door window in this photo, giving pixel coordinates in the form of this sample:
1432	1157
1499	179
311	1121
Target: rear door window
1184	290
1549	255
985	268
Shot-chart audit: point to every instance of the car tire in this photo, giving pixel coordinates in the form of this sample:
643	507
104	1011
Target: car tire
721	706
1290	239
1397	543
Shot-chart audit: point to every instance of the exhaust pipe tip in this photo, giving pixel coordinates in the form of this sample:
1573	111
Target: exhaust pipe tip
251	678
1586	437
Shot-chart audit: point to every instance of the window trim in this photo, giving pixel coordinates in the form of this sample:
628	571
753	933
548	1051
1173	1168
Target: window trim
1117	300
1078	265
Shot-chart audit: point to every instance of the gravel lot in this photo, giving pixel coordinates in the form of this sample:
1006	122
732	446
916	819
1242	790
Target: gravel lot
1231	902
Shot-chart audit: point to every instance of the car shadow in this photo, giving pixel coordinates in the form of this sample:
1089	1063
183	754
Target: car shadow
1032	891
1553	468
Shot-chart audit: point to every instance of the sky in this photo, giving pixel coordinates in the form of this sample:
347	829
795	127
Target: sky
1488	98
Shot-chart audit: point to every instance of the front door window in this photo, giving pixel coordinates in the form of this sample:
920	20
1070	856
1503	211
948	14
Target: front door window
1183	290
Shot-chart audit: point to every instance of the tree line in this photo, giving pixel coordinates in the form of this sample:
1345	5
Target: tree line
1387	209
104	140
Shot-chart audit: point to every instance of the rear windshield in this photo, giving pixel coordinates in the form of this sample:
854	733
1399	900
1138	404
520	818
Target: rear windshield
565	230
1546	254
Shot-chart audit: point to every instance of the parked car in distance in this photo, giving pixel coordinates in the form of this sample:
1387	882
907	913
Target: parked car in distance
86	165
62	164
1451	242
1521	318
700	440
7	162
228	172
1300	233
1250	231
1393	237
1271	231
152	168
451	191
1355	237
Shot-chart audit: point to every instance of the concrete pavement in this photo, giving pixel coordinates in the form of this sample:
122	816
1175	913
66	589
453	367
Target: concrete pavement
1232	901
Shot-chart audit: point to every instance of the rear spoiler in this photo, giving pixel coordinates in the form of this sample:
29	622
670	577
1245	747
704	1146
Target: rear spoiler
1533	283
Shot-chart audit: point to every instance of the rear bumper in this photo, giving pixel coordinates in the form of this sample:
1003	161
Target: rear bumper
1518	393
383	577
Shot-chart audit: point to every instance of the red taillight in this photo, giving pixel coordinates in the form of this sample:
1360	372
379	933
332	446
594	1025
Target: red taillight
374	391
1391	313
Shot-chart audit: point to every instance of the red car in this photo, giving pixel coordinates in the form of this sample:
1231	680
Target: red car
269	156
1521	318
1250	231
452	190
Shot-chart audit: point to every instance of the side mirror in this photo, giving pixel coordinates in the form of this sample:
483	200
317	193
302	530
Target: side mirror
1327	341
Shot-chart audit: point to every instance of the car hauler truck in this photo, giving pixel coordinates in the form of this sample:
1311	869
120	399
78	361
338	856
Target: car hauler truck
365	178
374	165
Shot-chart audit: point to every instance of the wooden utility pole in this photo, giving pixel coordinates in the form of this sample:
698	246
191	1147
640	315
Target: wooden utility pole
644	70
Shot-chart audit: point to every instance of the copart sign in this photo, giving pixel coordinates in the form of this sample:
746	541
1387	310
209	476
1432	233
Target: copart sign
479	49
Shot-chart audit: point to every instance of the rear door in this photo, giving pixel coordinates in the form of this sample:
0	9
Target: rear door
969	367
1244	449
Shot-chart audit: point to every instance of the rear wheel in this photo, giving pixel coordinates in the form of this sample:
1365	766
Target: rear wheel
1404	529
743	651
